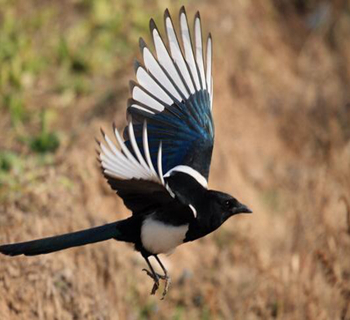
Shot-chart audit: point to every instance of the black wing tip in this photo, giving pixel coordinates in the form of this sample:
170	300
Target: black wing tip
98	142
100	163
152	25
137	64
132	85
142	44
102	132
130	102
166	16
197	15
182	10
210	38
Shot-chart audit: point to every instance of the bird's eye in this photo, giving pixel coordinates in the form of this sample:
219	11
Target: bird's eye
227	204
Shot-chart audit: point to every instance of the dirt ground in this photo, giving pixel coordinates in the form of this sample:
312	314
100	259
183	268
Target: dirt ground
282	120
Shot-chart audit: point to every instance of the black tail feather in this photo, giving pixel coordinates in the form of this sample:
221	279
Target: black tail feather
64	241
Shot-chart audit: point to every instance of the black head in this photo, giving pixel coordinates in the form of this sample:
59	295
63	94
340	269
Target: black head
214	209
227	205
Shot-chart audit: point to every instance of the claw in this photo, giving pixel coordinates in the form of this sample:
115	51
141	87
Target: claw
155	288
166	286
150	274
155	279
156	276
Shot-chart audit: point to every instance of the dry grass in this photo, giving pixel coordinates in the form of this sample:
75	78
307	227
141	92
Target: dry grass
282	146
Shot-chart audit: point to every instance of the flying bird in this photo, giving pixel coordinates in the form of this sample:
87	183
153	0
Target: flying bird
160	166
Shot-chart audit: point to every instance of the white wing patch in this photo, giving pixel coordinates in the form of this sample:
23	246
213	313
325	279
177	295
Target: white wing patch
144	98
166	61
199	49
176	52
121	164
147	82
209	62
187	43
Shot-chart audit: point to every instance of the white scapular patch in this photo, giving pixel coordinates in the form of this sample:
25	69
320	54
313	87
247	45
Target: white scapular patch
193	210
190	171
121	164
158	237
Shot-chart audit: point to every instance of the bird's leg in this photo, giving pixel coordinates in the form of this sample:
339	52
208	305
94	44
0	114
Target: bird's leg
153	275
165	277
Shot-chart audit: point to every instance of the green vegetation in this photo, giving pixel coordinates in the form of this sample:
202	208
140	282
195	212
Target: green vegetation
9	161
53	51
46	141
52	56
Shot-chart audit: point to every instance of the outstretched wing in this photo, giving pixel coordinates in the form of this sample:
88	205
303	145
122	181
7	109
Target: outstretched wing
174	95
170	124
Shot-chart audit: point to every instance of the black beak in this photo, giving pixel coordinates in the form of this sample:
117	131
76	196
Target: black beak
241	209
244	209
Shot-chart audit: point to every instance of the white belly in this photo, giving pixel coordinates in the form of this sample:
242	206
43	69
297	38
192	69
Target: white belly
158	237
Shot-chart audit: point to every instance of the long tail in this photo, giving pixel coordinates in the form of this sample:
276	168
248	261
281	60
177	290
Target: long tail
64	241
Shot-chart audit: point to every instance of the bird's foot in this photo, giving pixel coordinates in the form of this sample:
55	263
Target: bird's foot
156	278
167	280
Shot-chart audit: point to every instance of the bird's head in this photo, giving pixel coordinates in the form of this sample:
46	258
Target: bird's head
227	205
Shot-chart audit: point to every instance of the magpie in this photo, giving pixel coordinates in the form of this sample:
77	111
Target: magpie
160	166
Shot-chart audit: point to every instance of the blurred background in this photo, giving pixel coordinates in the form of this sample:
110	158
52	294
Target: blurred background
282	115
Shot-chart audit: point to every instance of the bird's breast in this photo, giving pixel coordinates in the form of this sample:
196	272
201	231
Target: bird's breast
159	237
